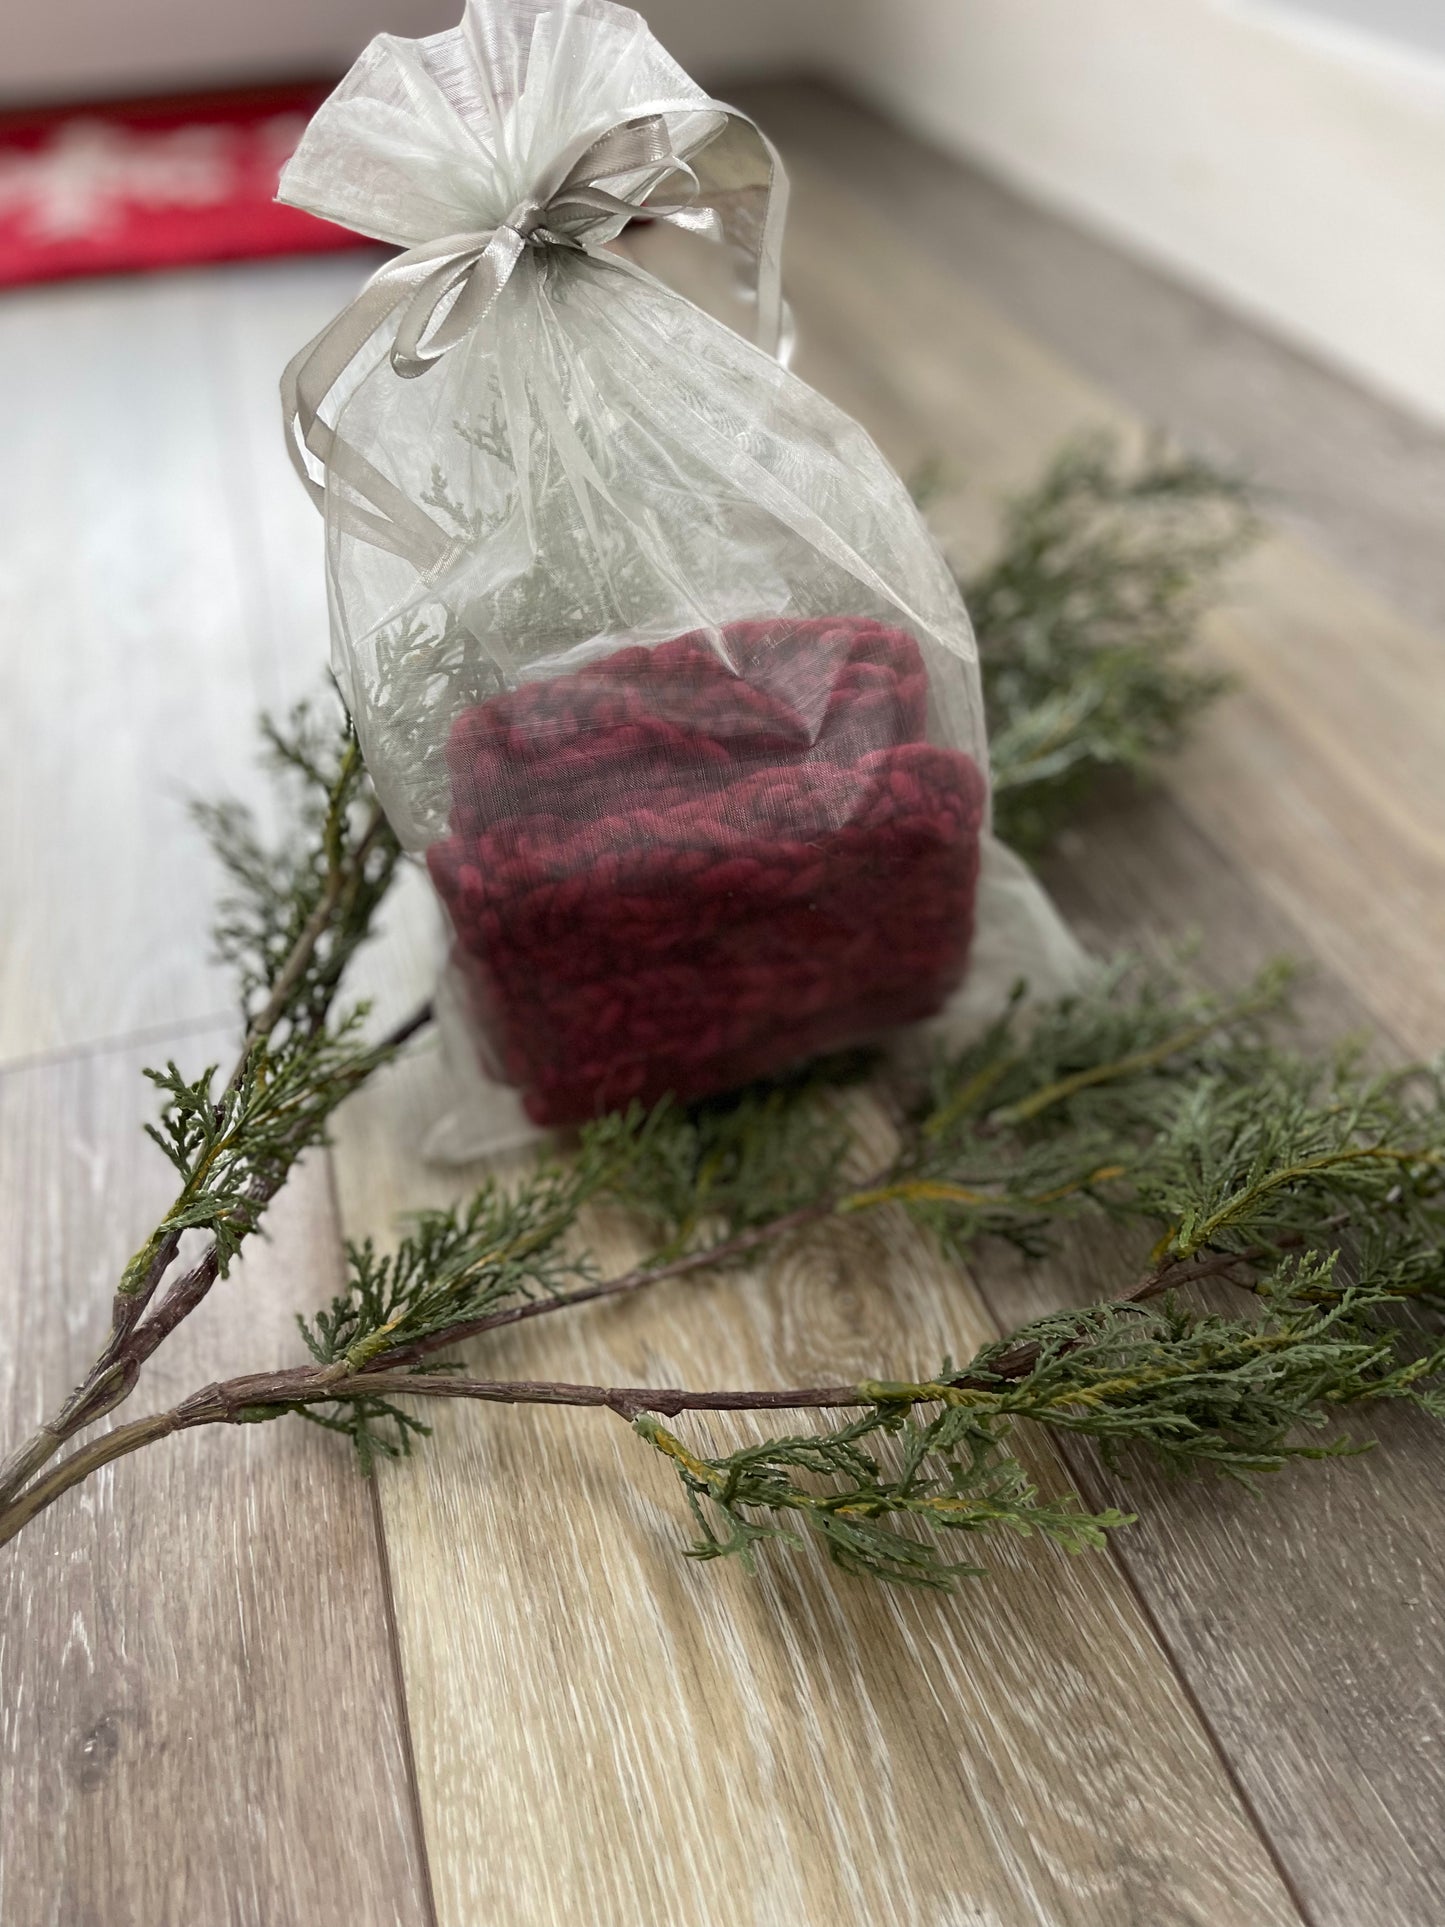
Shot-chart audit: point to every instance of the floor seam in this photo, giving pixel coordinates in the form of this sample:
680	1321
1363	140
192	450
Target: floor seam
403	1709
1084	1471
393	1628
128	1040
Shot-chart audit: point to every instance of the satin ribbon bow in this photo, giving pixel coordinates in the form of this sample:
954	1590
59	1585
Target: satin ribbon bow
446	287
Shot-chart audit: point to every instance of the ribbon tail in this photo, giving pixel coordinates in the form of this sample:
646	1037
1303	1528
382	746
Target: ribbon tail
393	521
775	322
470	271
733	179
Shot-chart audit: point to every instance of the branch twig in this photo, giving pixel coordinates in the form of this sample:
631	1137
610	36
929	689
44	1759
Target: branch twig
264	1395
632	1281
133	1336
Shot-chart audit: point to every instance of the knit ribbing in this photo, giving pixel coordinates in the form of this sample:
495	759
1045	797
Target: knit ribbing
681	867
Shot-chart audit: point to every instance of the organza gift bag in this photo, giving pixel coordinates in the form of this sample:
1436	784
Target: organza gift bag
652	660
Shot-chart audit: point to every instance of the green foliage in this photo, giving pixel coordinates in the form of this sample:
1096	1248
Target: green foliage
949	1474
234	1148
502	1248
1303	1148
1084	615
736	1162
1199	1391
379	1428
327	875
1044	1119
695	1176
1202	1390
1134	1102
1109	1056
1085	619
1319	1189
1145	1102
294	918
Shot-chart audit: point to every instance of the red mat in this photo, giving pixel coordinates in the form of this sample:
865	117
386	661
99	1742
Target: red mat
153	184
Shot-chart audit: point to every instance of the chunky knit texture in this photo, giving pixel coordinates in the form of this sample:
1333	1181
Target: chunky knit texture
678	868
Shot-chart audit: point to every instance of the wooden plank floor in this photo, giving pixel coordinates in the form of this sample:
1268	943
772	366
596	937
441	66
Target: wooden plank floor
199	1710
1304	1619
238	1685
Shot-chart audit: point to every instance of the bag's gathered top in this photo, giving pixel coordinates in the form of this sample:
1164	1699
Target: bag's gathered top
470	147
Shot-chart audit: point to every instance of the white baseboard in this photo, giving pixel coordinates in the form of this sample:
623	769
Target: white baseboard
1295	168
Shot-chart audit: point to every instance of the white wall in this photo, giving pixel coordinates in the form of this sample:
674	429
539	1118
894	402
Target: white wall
62	49
734	37
1298	172
1417	23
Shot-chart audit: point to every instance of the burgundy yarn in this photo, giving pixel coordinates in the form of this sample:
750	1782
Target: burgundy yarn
671	872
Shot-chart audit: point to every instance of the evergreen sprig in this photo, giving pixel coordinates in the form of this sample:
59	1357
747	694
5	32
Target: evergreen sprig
719	1168
1305	1145
1168	1116
296	910
1317	1189
294	915
1140	1101
289	925
234	1148
1197	1391
949	1474
1085	618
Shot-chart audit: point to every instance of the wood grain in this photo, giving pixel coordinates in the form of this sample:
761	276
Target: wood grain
260	315
199	1717
163	583
608	1732
1304	1618
127	672
1307	818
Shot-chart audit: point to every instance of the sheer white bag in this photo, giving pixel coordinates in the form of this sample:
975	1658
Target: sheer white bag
531	454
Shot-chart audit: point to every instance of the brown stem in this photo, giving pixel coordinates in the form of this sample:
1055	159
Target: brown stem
242	1400
631	1281
79	1466
187	1293
1165	1278
339	875
128	1352
130	1342
129	1307
876	1191
1021	1359
28	1458
263	1395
